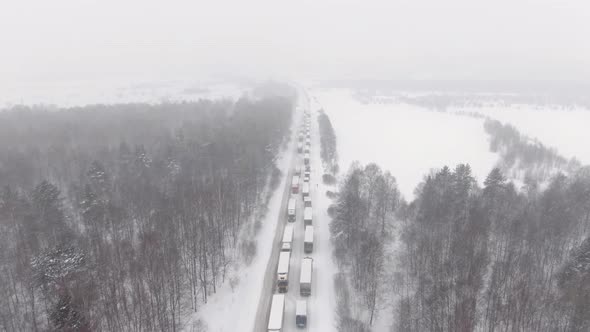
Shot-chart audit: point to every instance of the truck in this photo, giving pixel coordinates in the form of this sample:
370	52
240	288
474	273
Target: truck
295	184
283	271
301	313
305	280
308	240
287	238
277	311
305	189
306	159
291	208
306	201
307	216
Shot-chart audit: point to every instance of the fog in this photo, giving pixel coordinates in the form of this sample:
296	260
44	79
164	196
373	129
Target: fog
70	40
264	165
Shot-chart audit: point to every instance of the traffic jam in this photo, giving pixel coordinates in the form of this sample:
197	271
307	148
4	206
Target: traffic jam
299	195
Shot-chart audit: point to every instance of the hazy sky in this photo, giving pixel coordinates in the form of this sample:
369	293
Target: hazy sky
65	40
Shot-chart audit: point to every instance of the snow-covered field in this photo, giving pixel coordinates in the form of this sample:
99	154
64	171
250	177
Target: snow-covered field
111	92
566	130
406	140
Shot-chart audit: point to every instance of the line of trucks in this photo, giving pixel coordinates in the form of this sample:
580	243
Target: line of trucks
277	310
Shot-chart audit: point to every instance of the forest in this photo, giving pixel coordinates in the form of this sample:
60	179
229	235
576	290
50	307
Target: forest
523	157
127	217
328	151
463	257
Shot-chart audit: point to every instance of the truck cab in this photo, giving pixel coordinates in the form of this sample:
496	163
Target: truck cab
301	313
307	201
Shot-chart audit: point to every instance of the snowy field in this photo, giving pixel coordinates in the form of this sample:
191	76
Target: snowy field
102	92
406	140
566	130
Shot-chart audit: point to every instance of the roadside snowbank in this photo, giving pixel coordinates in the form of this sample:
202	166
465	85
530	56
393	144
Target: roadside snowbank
323	302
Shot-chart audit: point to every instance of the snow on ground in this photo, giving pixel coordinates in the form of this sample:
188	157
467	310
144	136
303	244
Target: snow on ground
82	93
406	140
323	301
566	130
234	308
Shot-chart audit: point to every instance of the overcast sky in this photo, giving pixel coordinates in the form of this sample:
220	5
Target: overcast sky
66	40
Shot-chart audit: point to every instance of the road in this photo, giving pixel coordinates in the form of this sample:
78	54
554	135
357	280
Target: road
269	283
297	254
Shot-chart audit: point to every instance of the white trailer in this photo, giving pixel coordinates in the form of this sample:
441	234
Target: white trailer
277	310
287	238
291	208
308	240
307	216
305	189
283	271
301	313
295	184
305	279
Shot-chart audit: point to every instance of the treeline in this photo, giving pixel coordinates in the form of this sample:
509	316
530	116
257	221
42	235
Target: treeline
446	101
494	258
361	228
461	257
521	157
328	152
127	217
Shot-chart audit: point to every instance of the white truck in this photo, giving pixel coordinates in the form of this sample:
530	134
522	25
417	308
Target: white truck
291	209
277	310
308	240
307	216
301	313
287	238
305	189
283	271
305	280
307	201
295	184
